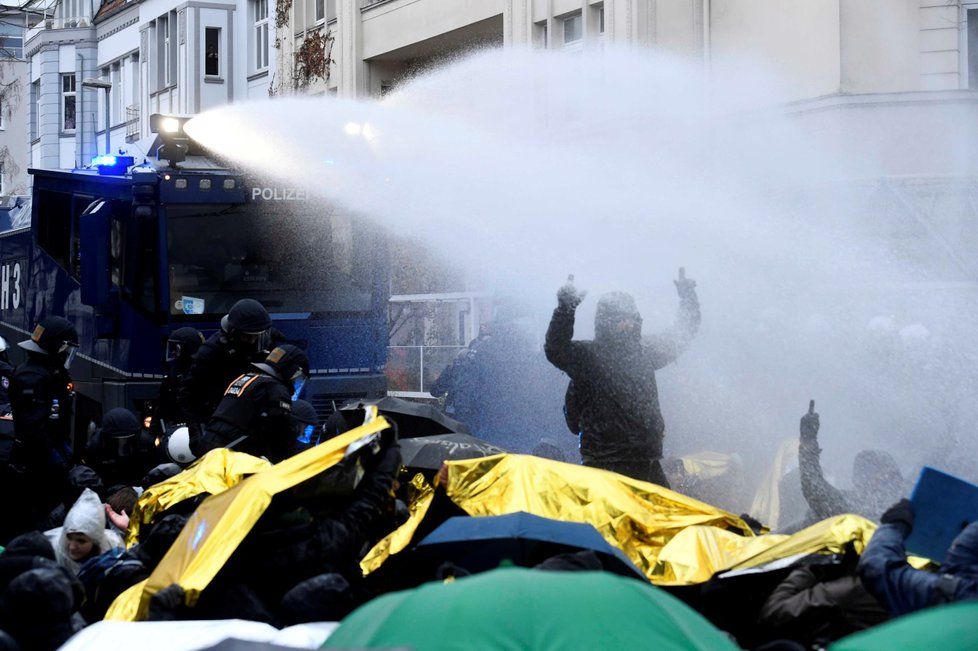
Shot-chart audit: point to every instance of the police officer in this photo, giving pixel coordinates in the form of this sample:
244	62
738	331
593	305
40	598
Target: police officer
181	347
121	450
41	400
228	353
255	414
305	423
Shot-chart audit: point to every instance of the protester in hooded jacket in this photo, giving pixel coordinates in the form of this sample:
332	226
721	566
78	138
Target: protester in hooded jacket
83	535
876	479
902	589
227	354
181	347
614	399
111	574
817	604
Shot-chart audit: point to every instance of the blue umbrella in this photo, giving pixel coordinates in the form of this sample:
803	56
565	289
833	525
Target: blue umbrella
482	543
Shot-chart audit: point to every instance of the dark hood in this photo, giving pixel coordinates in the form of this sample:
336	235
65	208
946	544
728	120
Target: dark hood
612	308
962	557
33	543
80	478
876	472
160	539
323	598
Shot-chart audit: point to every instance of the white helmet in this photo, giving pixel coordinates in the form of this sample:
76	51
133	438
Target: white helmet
178	446
3	344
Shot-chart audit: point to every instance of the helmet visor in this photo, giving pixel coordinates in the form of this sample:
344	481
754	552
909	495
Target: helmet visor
307	435
70	351
173	350
299	379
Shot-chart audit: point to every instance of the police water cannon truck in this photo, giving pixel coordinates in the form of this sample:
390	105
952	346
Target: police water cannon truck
140	244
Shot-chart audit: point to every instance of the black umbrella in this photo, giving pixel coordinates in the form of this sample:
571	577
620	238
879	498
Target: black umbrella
413	418
478	544
429	452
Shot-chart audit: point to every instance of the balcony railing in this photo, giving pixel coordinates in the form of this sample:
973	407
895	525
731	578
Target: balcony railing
57	22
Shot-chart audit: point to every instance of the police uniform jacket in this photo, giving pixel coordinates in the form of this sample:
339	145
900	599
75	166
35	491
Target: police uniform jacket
34	386
256	406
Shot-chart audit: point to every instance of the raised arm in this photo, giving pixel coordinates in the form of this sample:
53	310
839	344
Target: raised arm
561	350
665	347
824	499
885	573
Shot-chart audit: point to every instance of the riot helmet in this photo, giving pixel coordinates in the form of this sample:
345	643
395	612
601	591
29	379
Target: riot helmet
178	446
119	434
183	344
288	363
248	325
305	421
54	336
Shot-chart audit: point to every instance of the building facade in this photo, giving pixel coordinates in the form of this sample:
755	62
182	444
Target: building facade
14	104
120	62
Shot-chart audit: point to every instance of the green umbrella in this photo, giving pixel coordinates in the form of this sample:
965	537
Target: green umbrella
517	608
949	628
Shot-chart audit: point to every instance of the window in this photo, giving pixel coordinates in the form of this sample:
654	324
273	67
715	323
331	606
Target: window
117	92
596	20
573	29
261	34
973	49
36	112
3	183
540	34
212	51
166	51
54	224
3	122
67	103
11	39
167	73
320	10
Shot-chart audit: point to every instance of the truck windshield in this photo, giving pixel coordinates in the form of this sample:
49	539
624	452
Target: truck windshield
294	260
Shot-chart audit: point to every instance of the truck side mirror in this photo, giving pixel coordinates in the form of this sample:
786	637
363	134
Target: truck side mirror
94	254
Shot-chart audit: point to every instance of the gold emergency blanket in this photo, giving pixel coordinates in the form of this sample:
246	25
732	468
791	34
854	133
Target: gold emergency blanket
420	495
829	536
222	521
213	473
637	517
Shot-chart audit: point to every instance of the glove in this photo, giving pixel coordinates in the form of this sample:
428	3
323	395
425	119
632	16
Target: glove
685	287
809	427
163	604
569	297
900	513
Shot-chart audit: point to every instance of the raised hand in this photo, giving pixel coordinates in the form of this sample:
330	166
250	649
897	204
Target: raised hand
569	296
684	286
809	423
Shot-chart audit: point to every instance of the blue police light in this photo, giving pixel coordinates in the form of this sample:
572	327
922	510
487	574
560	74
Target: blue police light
110	165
